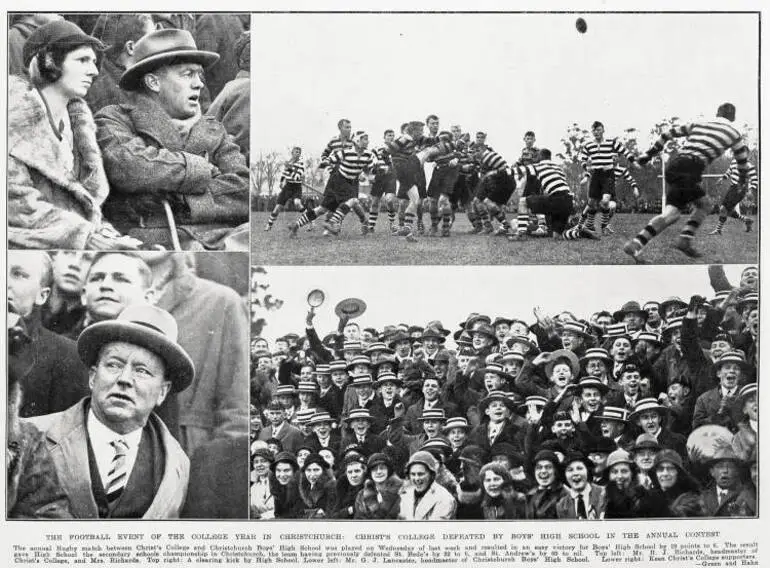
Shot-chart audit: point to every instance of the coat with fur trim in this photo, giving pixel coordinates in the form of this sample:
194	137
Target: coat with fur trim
382	504
49	205
319	501
437	504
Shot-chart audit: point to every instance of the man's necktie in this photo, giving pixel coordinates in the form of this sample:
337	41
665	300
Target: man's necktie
116	479
581	508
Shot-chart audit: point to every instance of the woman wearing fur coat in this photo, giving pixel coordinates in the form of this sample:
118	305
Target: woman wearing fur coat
56	179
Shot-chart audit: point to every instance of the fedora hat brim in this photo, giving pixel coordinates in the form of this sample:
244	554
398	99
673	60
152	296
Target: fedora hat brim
486	401
129	81
180	369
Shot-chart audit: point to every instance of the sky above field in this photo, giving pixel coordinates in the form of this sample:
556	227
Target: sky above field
418	294
501	73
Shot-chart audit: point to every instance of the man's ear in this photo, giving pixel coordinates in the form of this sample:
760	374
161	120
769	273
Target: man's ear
152	82
129	47
165	388
42	295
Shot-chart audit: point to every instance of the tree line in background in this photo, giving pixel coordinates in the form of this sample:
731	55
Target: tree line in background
266	169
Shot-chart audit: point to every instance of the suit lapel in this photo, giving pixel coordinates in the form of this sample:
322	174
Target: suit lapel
173	485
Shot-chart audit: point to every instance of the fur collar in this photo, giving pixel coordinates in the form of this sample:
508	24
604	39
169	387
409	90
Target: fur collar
32	142
311	497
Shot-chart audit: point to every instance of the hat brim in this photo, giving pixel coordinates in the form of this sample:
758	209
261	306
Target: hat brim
503	374
509	403
440	338
602	388
620	314
350	308
635	414
570	356
180	369
129	81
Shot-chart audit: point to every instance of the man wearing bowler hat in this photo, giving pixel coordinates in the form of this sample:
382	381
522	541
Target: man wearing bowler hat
159	149
114	457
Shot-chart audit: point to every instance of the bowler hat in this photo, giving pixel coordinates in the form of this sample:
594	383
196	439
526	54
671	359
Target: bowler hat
146	326
629	308
160	48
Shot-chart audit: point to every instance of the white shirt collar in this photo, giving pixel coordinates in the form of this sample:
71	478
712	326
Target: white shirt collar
101	437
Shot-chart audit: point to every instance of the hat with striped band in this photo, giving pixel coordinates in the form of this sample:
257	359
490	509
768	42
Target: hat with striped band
512	356
307	386
616	330
338	365
751	298
388	377
358	360
496	369
615	413
733	356
576	327
649	336
285	390
320	418
432	414
352	346
322	369
359	414
361	379
719	297
645	405
596	353
672	324
456	422
534	400
302	416
591	383
747	391
377	347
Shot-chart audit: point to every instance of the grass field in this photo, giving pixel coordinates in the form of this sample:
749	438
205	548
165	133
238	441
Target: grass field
313	248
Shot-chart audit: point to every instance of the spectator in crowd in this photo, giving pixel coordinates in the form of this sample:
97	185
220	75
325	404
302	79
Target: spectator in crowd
220	33
114	457
56	180
45	365
160	152
64	308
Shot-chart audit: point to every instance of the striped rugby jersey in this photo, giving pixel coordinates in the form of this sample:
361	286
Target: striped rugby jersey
383	156
550	174
404	146
734	175
602	154
334	144
293	172
350	163
706	141
490	161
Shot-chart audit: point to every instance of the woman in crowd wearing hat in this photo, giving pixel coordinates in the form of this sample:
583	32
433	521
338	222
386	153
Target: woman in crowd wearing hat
56	178
674	492
261	500
285	489
317	488
745	439
625	496
349	484
542	500
497	498
422	499
584	500
380	496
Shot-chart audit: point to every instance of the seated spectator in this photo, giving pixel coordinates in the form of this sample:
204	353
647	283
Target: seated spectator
56	180
160	151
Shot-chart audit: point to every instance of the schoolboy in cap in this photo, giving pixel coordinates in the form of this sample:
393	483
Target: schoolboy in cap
365	396
290	436
357	430
502	327
330	396
584	501
456	430
307	394
387	386
652	418
286	394
680	401
324	435
114	457
647	347
729	495
590	393
629	392
576	337
431	421
513	363
302	421
496	426
721	405
143	149
596	363
613	425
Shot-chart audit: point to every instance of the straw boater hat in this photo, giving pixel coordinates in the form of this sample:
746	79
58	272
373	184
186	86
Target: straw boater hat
650	304
456	422
358	360
629	308
322	369
578	328
352	346
747	391
615	413
388	377
534	400
493	396
432	414
497	369
645	404
320	418
524	340
671	325
512	356
719	297
160	48
338	365
307	386
649	336
359	414
377	347
616	330
591	383
284	390
733	356
596	353
303	416
146	326
748	299
361	379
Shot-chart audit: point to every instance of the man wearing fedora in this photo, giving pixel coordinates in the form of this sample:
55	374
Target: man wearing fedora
158	149
631	314
729	495
114	457
721	405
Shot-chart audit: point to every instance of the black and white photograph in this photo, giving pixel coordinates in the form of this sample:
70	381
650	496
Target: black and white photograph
127	385
128	131
512	393
506	138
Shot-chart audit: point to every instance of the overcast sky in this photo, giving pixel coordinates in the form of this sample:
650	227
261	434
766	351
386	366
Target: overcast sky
502	73
416	295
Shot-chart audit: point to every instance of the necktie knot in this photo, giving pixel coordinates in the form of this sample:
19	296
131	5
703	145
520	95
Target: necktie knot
120	446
